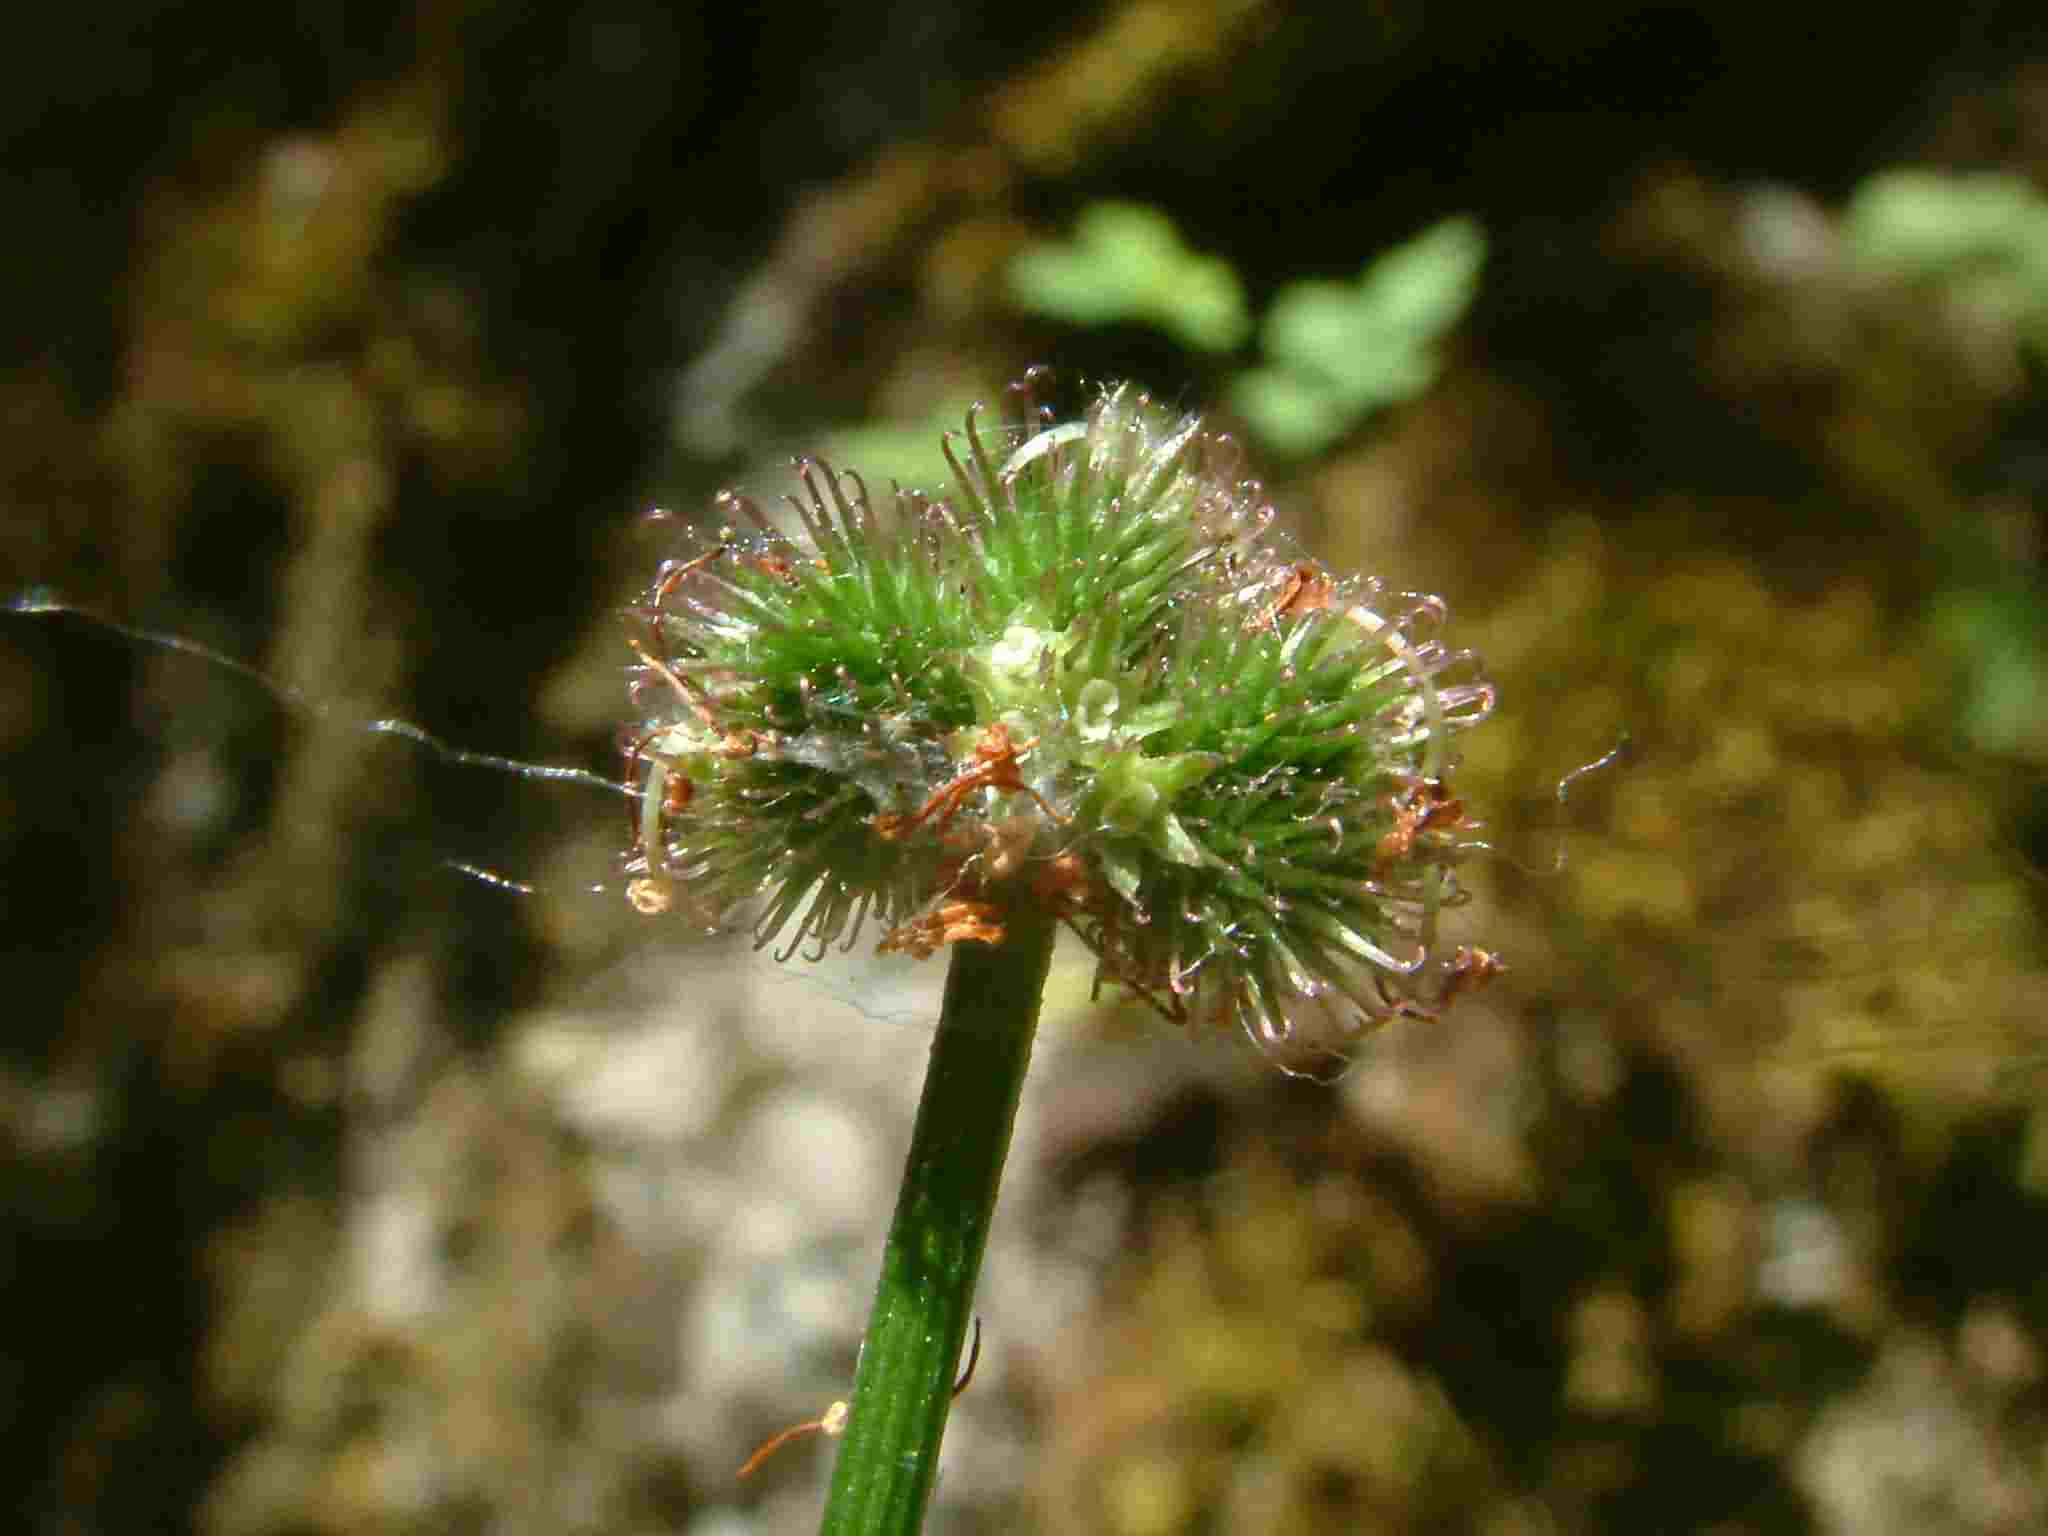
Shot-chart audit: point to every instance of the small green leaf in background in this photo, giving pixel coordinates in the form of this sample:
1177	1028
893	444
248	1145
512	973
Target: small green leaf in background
1126	263
1337	352
1979	242
1995	638
1983	237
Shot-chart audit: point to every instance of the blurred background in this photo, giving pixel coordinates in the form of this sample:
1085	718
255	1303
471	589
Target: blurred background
1696	357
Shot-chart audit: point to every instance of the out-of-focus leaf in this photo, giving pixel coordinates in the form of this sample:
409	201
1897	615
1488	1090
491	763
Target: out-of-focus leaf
1126	263
1293	413
1337	352
1984	237
1995	636
1423	287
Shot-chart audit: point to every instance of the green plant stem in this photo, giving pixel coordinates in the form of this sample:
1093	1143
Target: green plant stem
904	1384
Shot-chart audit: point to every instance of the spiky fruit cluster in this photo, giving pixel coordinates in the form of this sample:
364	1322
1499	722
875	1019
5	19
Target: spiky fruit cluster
1091	678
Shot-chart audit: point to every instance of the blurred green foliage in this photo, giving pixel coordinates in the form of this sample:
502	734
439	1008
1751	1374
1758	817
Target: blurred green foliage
1996	635
1335	352
1339	352
1981	239
1977	244
1127	263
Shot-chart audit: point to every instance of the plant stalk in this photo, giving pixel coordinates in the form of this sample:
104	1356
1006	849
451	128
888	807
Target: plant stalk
903	1386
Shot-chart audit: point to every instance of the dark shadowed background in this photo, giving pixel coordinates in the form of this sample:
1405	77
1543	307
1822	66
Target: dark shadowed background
345	1191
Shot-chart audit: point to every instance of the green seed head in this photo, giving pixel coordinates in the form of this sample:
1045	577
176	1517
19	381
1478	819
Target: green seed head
1089	678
